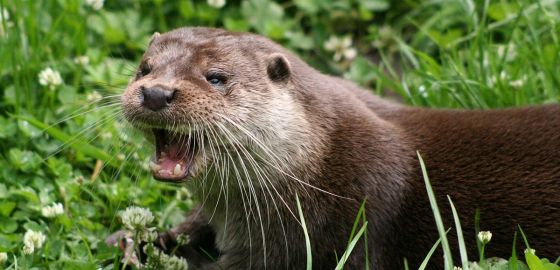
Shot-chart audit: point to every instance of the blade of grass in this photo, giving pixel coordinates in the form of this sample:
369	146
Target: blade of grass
448	257
306	234
524	237
356	222
350	247
431	252
513	259
460	239
366	250
360	216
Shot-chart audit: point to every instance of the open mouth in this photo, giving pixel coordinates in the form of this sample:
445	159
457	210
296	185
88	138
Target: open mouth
174	156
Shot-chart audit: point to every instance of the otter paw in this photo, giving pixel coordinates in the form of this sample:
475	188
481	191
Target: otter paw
122	240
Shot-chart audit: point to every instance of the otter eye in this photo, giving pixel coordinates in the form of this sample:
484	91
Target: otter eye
145	69
216	79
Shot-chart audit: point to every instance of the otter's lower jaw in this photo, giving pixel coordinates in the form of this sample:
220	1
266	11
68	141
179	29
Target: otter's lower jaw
174	157
179	174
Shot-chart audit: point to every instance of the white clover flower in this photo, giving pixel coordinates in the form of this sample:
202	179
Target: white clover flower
121	157
95	4
530	250
176	263
216	3
502	77
485	60
136	218
106	135
49	77
342	48
27	250
422	91
516	84
32	240
511	51
149	235
94	97
457	268
159	260
56	209
79	179
183	239
82	60
3	258
484	236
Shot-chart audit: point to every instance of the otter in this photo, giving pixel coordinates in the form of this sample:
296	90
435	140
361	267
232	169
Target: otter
248	126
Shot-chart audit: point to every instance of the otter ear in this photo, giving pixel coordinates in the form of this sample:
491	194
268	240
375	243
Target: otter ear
277	67
154	36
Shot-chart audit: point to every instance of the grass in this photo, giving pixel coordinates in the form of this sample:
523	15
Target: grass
309	255
448	264
69	144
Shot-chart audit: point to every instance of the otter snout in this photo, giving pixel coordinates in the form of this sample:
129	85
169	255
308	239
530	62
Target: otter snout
156	98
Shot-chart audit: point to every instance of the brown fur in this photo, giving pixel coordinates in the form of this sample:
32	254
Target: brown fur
345	141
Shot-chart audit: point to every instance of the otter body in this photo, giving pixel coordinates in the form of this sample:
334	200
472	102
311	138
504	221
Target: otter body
248	126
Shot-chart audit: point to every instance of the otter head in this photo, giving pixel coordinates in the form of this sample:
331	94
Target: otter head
208	96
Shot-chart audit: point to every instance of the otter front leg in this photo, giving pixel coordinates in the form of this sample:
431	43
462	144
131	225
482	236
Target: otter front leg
235	260
201	249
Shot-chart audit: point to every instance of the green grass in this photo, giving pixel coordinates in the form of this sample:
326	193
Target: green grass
66	145
309	255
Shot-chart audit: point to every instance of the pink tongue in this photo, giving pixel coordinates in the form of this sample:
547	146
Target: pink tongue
174	156
169	164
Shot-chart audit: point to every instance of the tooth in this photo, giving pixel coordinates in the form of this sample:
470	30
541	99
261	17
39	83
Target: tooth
154	167
177	169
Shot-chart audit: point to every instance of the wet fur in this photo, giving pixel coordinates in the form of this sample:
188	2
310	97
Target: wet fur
345	141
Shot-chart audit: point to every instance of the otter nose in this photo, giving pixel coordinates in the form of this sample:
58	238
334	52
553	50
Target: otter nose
156	98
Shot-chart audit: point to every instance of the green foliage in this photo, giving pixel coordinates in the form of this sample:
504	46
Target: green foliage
535	263
63	139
